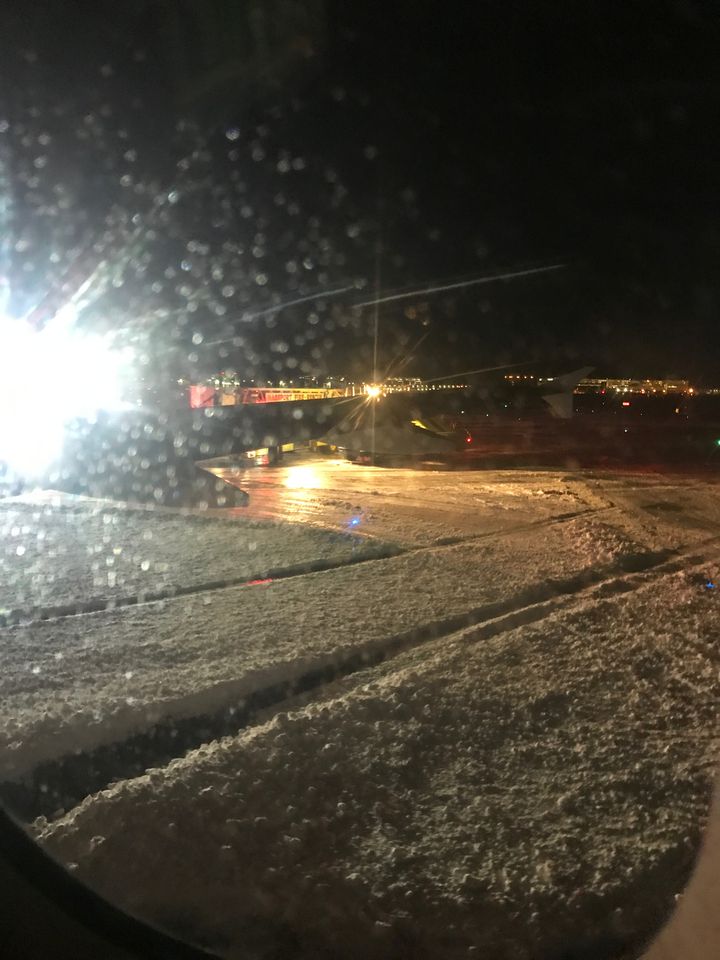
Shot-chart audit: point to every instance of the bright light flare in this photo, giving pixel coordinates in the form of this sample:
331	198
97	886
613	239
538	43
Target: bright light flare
373	390
50	377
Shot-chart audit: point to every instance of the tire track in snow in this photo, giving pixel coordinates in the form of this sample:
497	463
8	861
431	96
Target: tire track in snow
55	786
381	551
368	552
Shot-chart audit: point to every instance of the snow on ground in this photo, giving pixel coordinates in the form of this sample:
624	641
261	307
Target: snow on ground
488	796
69	684
662	511
422	506
471	796
69	550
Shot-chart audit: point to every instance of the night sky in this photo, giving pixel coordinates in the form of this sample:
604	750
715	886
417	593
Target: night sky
587	132
454	142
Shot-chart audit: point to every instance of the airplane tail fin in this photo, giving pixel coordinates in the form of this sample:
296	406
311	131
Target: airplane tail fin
561	400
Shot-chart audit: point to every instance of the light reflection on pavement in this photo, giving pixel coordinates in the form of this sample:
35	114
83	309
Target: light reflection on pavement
400	504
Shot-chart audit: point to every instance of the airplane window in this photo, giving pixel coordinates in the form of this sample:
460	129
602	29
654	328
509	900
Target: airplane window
359	450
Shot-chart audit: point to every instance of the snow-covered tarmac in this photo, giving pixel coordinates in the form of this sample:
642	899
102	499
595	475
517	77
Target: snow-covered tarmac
527	766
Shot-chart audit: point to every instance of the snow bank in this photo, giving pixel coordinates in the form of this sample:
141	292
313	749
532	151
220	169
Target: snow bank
496	798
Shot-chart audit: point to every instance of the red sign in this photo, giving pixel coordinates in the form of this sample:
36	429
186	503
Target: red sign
201	396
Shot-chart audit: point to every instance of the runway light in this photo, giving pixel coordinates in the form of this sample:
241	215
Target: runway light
626	403
354	522
710	585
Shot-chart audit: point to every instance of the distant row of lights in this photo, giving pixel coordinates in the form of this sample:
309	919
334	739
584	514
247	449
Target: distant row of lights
623	385
390	386
647	387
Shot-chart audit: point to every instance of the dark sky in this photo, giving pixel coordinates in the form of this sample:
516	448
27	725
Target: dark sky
465	140
580	130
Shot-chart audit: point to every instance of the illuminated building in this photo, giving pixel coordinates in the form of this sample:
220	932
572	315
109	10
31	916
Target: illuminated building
627	385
